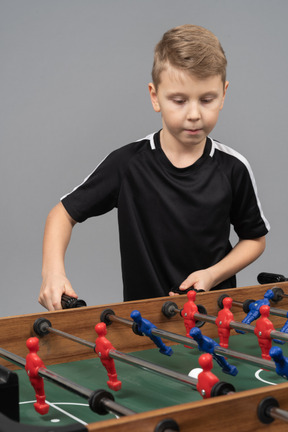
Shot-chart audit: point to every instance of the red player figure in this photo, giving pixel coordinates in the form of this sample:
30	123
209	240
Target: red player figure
188	311
262	330
103	347
206	379
225	316
33	364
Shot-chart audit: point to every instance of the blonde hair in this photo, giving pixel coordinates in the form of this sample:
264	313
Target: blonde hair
190	48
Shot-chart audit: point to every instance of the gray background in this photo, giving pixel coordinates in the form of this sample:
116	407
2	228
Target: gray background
73	80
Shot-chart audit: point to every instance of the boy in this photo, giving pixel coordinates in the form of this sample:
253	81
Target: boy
177	191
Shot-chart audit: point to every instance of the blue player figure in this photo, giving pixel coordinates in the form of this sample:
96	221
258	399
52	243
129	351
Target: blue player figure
280	360
284	329
254	308
254	313
207	345
145	327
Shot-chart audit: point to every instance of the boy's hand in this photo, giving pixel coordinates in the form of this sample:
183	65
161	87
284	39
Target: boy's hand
199	280
244	253
52	288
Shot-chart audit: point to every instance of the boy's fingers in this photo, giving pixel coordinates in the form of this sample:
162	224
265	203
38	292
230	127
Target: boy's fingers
45	301
69	291
188	283
56	301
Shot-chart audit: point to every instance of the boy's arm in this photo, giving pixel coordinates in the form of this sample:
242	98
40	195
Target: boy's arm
57	235
243	254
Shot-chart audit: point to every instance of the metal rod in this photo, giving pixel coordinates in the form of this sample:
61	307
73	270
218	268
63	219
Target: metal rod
65	383
13	358
237	303
278	312
143	364
247	328
278	413
121	320
268	364
273	311
129	359
49	375
114	408
71	337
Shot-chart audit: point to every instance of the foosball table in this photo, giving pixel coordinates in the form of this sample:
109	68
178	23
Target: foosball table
143	386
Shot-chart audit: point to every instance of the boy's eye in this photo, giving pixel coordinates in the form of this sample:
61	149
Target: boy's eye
179	101
207	100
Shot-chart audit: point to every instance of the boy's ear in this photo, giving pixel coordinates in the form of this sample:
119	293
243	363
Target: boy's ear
153	97
225	89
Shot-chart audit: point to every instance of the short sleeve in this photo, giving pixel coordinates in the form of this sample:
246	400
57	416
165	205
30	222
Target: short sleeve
246	213
97	194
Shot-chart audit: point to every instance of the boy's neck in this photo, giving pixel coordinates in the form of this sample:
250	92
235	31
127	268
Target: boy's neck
181	156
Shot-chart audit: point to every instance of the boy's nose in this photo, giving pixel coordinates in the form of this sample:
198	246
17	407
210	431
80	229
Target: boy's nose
193	112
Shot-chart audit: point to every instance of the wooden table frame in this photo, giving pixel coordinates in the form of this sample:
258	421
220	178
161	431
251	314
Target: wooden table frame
236	412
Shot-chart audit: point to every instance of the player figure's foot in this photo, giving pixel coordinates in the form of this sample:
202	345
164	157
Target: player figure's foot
166	350
231	370
41	406
114	385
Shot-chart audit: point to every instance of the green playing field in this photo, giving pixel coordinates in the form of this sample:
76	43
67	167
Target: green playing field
142	390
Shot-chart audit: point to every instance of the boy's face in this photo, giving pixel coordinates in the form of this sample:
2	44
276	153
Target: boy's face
189	107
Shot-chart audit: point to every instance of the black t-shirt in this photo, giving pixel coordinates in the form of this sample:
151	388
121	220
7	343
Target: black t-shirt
172	221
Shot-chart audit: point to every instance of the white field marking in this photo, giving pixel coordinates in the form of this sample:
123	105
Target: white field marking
195	372
71	403
61	410
257	375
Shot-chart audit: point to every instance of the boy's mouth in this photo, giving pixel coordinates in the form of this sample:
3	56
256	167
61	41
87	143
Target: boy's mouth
193	131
